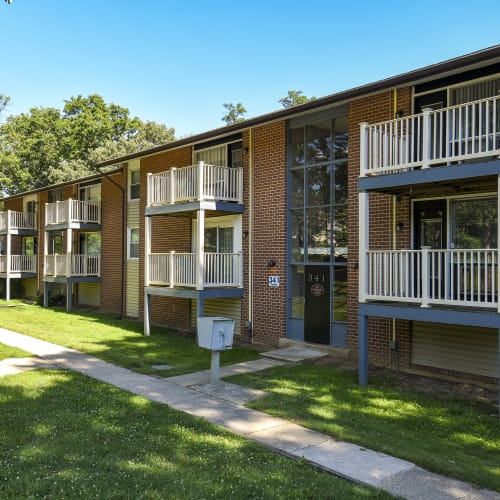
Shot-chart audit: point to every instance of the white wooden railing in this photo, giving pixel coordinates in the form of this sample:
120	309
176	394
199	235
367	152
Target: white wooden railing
17	220
197	182
447	277
68	211
81	265
18	264
457	133
180	269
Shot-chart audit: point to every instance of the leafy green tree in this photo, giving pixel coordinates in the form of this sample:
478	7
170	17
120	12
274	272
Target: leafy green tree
47	145
235	113
294	98
4	100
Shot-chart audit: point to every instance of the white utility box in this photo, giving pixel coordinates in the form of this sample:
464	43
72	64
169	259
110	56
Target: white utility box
215	333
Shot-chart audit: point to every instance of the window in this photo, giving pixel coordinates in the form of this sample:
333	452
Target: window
29	245
90	243
90	193
135	184
55	243
56	195
133	243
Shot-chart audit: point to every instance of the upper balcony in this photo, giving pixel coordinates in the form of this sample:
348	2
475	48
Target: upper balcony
12	222
188	188
72	214
455	135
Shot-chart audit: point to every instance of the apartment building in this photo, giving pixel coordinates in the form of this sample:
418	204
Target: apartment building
366	220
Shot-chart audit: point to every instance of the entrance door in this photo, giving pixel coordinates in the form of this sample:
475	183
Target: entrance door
317	304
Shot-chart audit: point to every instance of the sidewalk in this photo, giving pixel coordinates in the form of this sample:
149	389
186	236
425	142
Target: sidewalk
223	405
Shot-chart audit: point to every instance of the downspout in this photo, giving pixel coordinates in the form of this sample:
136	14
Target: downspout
250	234
124	236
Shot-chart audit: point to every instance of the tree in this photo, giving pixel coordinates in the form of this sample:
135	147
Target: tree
234	113
294	98
47	145
4	100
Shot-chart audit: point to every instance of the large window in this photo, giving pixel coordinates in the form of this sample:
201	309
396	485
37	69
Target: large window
317	214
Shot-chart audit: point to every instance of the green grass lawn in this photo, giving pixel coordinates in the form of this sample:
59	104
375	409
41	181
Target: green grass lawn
115	340
67	436
11	352
439	433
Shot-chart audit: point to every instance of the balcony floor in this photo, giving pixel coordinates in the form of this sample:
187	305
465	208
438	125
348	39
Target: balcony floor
191	293
72	279
189	209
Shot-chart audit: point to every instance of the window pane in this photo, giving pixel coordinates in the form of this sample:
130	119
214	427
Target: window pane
340	183
297	235
297	188
297	147
225	239
318	234
318	142
210	239
475	223
340	234
340	138
297	292
340	294
318	186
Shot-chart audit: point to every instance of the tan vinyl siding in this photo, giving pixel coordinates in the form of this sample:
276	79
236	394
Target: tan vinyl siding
132	309
29	285
226	308
89	294
456	347
133	214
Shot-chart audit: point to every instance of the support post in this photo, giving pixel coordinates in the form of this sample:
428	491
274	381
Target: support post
364	242
201	181
425	276
8	251
200	247
45	294
362	349
498	253
173	186
69	252
147	249
214	367
498	372
69	295
147	314
426	137
363	149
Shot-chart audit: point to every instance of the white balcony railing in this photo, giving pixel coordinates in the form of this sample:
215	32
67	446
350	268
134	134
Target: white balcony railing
17	264
73	211
180	269
81	265
198	182
457	133
10	220
446	277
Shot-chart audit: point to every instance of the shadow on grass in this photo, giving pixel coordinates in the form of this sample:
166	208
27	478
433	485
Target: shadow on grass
66	436
451	437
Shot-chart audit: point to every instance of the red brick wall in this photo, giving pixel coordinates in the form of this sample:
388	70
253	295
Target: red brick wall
113	247
269	231
372	109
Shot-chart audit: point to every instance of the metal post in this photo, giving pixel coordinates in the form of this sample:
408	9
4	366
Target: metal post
364	242
147	314
425	276
200	248
7	263
201	182
214	367
362	349
426	137
147	249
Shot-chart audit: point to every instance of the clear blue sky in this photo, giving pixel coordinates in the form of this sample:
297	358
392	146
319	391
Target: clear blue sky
177	62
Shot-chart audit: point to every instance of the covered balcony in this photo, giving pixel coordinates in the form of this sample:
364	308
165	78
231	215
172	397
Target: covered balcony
433	277
17	265
72	266
202	184
454	135
13	222
72	213
191	270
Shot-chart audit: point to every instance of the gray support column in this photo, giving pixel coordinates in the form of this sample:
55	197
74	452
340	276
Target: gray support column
69	296
45	294
147	314
7	262
200	307
364	244
200	247
499	372
362	349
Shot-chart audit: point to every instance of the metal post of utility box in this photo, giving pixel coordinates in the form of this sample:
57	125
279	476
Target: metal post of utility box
216	334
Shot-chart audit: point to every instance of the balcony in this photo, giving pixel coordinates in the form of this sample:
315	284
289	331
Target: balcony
213	270
11	221
201	182
72	212
463	133
17	264
69	266
433	277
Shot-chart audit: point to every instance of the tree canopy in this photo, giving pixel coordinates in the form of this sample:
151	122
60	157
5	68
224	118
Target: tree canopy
48	145
235	113
294	98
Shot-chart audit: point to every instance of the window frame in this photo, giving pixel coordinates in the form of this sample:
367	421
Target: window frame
134	185
130	232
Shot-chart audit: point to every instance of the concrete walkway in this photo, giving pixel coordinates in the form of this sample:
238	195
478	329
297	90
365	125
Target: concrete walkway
191	394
